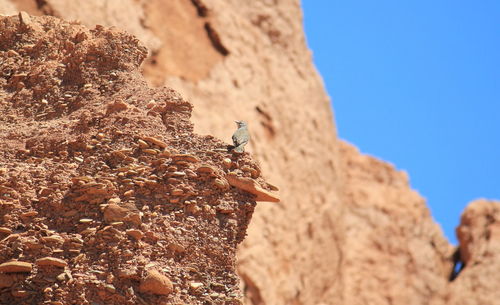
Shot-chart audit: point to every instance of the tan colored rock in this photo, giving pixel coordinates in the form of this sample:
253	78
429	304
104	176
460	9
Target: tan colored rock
389	231
116	106
227	163
205	169
249	185
155	141
195	285
185	157
16	266
5	230
221	184
116	213
479	238
137	234
53	239
51	261
156	283
24	18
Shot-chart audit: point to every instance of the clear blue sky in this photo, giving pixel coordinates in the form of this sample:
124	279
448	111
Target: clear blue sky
417	83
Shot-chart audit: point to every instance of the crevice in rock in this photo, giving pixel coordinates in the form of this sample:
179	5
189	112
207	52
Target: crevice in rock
200	8
458	265
44	7
266	121
251	291
215	39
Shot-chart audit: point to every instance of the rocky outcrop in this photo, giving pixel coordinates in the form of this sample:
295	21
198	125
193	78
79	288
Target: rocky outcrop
348	230
478	260
104	196
393	252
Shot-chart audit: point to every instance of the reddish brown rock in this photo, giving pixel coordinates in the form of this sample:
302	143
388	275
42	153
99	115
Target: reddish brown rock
76	177
51	261
156	283
16	266
249	185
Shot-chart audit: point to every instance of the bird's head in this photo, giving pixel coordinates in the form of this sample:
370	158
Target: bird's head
240	123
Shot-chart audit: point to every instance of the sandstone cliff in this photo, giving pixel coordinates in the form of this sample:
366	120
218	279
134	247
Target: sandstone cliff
349	230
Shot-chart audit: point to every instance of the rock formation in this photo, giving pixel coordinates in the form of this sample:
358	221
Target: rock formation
348	230
106	194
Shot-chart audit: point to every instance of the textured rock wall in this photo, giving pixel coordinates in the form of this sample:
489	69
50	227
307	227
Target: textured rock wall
106	194
349	230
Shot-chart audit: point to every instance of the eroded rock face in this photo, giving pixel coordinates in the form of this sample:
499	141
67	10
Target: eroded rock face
393	250
101	196
479	237
348	230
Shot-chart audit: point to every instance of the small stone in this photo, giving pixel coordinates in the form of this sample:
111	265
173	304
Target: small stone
206	169
195	285
151	104
227	163
250	186
221	184
29	214
16	266
110	288
151	151
53	238
156	142
142	144
24	18
127	273
178	248
116	107
177	192
85	220
61	277
51	261
165	153
137	234
19	293
115	213
156	283
185	157
5	230
114	200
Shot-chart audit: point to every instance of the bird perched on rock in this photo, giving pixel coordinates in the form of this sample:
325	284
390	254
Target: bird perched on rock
240	137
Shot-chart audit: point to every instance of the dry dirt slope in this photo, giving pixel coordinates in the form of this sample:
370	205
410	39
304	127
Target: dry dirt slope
349	229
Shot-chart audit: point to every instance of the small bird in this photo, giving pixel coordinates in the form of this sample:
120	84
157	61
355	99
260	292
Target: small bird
240	137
